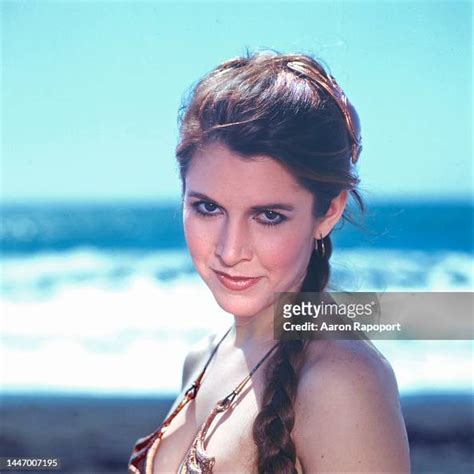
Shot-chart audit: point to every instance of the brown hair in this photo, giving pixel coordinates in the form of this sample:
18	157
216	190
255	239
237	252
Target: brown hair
259	104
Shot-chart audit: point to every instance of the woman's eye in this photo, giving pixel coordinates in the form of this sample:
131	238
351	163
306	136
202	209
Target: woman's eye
207	209
204	208
273	218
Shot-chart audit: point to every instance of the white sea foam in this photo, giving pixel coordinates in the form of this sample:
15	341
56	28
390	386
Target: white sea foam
122	323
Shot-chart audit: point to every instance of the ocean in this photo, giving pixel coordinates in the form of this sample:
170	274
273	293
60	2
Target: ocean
101	299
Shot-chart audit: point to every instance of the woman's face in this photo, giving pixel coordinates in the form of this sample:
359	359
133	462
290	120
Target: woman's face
247	218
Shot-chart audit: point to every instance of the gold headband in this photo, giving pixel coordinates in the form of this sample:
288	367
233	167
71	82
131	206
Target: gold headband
329	84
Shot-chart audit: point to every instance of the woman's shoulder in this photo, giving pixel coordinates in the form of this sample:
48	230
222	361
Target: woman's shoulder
197	356
334	367
357	360
347	412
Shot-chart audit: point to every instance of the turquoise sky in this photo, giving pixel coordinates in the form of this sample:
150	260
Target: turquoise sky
90	90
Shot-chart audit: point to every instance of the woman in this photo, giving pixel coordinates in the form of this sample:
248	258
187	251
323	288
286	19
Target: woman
267	150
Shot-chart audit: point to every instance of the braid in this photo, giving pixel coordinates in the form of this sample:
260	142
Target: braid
273	425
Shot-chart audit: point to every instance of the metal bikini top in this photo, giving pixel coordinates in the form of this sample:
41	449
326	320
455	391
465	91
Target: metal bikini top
196	460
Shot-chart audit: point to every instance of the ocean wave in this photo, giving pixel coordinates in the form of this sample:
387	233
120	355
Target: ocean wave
122	322
43	275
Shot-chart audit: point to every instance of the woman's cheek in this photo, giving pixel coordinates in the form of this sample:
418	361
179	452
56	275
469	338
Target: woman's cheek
197	235
282	248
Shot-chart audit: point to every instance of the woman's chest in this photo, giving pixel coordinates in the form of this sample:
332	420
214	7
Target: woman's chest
228	440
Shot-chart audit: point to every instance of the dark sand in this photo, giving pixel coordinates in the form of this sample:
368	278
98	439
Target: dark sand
95	435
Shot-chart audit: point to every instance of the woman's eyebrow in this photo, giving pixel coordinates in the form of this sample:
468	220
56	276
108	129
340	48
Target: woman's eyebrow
275	205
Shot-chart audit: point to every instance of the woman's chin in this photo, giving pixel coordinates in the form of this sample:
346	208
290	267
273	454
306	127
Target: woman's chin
238	305
245	303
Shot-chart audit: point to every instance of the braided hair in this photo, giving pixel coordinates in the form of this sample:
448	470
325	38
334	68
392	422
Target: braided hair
273	425
288	107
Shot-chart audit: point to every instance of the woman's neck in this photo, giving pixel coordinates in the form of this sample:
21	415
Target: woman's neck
254	331
257	331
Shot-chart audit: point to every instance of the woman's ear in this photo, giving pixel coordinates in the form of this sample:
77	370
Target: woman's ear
326	223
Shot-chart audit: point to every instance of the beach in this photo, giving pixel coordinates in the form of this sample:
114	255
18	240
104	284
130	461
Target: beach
95	435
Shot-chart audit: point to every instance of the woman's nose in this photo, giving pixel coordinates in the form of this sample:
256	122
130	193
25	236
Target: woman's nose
234	243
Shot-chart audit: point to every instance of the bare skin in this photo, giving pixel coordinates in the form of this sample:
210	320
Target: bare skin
347	410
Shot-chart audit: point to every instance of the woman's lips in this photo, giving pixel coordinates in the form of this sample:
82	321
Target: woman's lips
236	283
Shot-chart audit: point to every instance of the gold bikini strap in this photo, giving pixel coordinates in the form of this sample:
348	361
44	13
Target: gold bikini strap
191	392
227	401
196	459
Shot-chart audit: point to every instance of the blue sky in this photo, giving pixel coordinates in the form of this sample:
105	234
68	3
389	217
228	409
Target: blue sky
90	90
